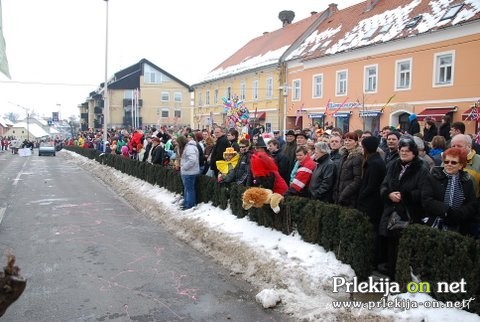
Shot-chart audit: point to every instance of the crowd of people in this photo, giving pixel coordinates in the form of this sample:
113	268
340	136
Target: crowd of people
428	176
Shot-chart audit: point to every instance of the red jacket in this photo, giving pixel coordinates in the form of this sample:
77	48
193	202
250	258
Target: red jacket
304	174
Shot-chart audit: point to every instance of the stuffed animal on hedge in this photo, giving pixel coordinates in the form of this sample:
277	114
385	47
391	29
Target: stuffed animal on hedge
257	197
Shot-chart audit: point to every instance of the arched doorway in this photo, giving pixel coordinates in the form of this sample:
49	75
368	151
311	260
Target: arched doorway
403	121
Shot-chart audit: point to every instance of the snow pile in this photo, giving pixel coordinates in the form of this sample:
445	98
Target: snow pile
295	276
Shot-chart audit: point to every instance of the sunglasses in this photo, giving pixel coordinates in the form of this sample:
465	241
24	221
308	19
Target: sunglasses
242	146
450	162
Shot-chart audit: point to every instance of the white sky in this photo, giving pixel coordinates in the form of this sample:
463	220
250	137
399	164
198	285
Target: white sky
63	42
279	266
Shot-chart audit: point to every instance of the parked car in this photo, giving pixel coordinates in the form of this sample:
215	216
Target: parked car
46	148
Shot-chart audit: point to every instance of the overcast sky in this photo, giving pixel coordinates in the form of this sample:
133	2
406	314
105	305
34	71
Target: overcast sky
56	48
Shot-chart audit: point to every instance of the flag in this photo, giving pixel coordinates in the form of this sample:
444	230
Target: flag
3	53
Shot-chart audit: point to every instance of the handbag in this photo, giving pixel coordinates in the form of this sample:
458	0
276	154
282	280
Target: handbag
395	221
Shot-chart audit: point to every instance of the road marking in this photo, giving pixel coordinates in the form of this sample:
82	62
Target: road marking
2	214
15	181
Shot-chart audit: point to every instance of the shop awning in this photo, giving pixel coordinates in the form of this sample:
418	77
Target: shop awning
470	115
370	113
435	112
259	116
316	115
342	114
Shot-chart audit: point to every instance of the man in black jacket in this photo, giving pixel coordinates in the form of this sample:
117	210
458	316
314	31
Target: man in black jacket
220	146
281	160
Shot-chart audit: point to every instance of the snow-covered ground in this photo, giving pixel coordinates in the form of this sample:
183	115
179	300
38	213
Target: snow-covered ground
290	274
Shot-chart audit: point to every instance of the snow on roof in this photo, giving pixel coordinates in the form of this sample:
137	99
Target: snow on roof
53	130
34	129
5	122
249	63
353	27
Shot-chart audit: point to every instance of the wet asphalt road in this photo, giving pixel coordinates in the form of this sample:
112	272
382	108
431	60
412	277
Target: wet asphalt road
89	256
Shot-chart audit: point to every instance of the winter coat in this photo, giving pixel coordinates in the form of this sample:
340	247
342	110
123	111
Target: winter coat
299	185
457	219
217	152
241	174
444	131
147	151
412	188
349	177
189	164
323	179
265	173
369	200
335	157
428	134
283	165
414	127
158	153
289	151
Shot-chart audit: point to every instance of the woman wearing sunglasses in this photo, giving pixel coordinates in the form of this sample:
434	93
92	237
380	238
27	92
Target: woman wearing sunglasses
450	195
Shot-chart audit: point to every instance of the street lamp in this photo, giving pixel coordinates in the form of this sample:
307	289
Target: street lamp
106	108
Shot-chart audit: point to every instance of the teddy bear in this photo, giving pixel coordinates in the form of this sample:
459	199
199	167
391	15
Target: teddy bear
257	197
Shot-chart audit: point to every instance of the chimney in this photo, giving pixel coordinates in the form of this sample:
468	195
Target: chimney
332	7
286	17
313	13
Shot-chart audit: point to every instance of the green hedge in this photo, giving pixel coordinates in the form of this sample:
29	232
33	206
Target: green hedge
435	256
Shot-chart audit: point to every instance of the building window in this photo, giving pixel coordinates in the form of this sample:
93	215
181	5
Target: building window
255	89
243	90
228	94
413	22
207	98
177	113
165	96
444	69
153	76
317	86
370	82
403	74
296	90
215	96
200	100
452	12
178	96
343	123
165	112
341	83
269	83
128	94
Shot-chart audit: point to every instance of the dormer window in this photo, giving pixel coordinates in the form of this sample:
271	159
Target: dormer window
452	12
369	33
385	28
412	23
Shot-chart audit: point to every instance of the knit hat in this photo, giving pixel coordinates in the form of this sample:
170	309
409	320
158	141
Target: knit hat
260	143
290	132
370	144
412	117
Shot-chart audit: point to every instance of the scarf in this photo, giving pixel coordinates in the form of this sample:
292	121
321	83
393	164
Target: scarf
453	197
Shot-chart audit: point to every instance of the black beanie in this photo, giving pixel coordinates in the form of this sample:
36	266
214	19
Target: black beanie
370	144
